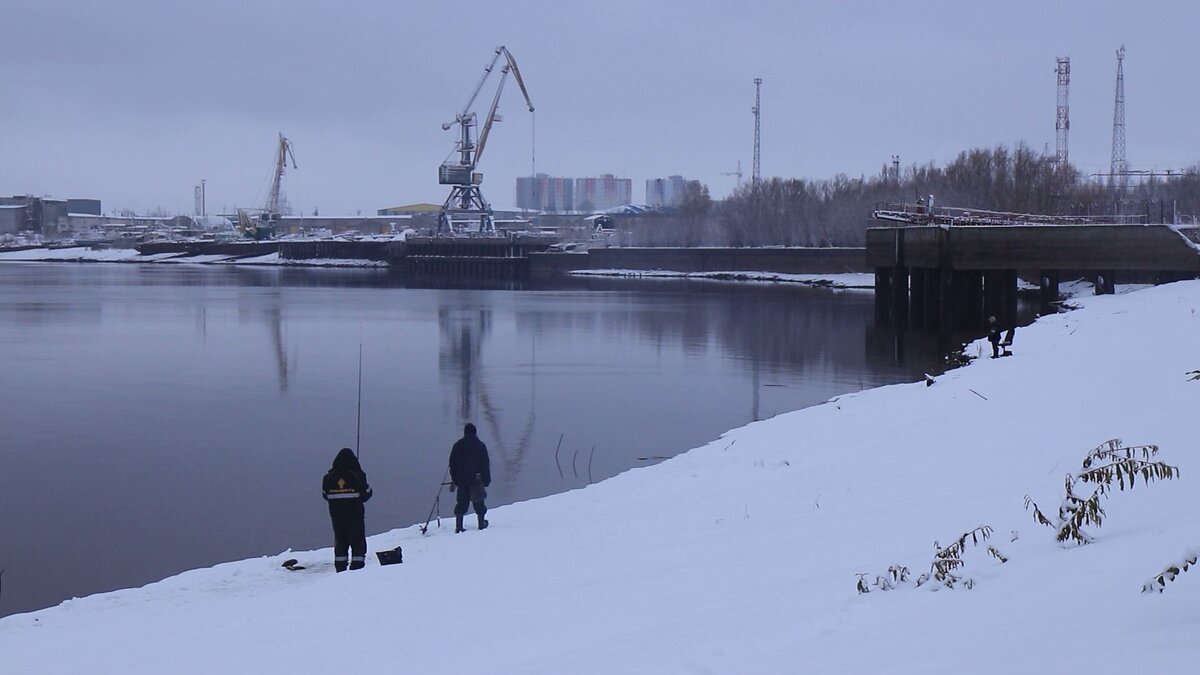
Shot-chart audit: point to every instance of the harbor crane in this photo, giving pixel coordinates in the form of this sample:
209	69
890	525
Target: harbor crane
466	203
263	226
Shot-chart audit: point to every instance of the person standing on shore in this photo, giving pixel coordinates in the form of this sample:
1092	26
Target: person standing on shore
345	488
470	473
994	336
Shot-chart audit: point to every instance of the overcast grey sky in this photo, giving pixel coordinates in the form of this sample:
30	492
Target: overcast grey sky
135	101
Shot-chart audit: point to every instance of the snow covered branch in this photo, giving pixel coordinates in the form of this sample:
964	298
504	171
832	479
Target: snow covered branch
1108	463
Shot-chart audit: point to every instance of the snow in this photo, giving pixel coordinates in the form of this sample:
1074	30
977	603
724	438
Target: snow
72	254
846	280
742	556
86	254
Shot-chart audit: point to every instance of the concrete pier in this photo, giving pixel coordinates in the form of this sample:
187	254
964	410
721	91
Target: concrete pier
957	276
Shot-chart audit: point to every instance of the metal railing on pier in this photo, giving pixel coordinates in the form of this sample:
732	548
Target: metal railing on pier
904	213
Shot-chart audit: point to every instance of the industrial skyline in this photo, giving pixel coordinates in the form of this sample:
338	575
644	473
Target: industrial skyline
137	102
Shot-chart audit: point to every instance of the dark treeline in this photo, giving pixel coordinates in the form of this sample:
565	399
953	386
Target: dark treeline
836	212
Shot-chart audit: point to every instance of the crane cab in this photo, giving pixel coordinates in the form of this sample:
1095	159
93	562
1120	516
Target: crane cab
458	174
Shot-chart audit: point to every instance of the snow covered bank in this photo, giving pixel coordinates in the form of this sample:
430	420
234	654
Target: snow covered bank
855	280
72	254
129	255
742	556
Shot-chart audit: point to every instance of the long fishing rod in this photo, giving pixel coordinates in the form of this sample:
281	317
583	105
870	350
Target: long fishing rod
358	421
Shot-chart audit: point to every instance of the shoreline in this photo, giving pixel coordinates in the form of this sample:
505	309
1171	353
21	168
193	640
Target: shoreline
845	281
83	254
743	552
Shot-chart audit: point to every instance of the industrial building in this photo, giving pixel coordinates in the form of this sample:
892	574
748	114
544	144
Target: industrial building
40	215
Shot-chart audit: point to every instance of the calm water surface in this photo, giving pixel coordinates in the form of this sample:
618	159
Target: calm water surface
158	418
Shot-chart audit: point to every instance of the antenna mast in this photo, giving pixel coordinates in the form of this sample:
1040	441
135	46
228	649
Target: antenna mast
1119	166
1062	122
755	173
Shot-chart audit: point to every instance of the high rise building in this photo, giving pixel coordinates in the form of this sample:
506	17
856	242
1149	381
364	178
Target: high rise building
666	192
545	193
602	192
556	194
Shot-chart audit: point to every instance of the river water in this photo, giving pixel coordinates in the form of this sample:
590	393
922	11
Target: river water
158	418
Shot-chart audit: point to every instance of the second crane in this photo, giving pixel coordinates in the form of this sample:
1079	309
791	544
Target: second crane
465	205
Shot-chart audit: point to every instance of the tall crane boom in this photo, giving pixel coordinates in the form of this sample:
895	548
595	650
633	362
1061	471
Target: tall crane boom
281	156
465	197
263	227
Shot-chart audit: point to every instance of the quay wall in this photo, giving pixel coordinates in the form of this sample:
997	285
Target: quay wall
791	260
389	251
545	265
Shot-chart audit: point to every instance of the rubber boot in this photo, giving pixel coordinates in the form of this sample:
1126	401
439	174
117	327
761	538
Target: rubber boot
458	526
481	521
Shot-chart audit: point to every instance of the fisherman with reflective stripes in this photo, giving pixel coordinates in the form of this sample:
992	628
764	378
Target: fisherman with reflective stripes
345	488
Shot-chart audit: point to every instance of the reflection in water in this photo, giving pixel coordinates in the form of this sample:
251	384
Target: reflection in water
463	330
274	314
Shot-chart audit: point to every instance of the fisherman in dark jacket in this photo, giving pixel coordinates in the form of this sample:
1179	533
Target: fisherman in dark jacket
470	473
994	336
345	488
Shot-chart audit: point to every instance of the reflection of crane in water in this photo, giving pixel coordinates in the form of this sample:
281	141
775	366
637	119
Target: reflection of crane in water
463	333
272	311
275	317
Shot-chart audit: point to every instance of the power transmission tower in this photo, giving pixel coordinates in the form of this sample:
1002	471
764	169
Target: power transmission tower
755	173
1062	122
1119	166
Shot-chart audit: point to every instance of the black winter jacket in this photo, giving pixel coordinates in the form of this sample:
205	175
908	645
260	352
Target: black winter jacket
345	486
469	457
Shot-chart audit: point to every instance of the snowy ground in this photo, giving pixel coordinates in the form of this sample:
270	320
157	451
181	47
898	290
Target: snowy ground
856	280
742	556
129	255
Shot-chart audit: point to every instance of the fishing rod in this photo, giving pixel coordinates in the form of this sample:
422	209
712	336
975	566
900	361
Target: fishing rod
358	420
437	501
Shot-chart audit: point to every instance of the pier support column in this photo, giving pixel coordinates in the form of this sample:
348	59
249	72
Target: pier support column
900	295
1008	298
1049	287
883	295
932	297
992	293
1000	296
968	298
916	292
947	299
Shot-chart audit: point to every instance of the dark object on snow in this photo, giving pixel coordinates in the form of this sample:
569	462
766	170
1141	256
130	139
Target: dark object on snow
929	380
391	557
993	335
345	488
470	472
293	565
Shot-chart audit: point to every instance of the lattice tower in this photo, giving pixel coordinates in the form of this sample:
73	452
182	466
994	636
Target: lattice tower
755	173
1062	121
1119	166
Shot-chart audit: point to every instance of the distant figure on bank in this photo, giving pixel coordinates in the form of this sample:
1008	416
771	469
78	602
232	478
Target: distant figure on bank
470	473
345	488
994	336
